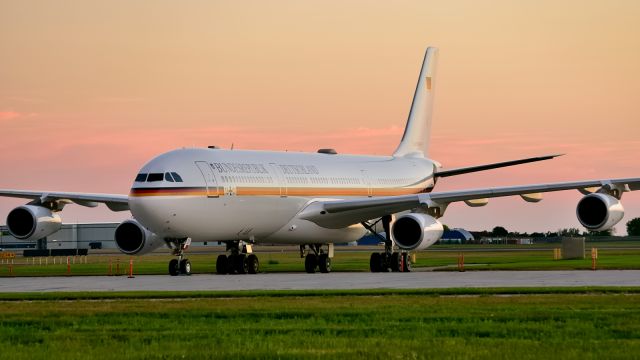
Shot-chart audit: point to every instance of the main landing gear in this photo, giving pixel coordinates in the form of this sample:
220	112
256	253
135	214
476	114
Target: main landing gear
240	261
316	257
179	266
389	260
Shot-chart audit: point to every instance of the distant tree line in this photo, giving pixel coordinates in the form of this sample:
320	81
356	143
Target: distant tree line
633	229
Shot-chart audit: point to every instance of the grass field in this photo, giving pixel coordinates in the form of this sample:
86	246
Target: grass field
401	325
494	258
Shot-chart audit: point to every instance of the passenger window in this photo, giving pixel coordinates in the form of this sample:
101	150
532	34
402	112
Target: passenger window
141	178
155	177
176	177
168	177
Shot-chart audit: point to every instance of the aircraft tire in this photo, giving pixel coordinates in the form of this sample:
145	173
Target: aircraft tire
385	262
231	264
407	262
185	267
174	267
222	265
310	263
324	263
375	262
241	264
396	262
253	265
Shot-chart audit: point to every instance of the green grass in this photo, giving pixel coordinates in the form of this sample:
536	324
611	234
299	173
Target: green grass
409	325
344	261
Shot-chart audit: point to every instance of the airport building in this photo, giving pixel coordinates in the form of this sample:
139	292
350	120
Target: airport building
70	236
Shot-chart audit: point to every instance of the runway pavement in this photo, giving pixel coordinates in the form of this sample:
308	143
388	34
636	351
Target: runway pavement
303	281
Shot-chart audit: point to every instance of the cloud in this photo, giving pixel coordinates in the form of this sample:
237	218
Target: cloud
8	115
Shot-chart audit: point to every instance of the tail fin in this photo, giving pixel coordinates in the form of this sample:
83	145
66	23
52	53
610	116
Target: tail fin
417	133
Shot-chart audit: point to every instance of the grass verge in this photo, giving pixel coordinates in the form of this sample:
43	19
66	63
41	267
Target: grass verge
584	323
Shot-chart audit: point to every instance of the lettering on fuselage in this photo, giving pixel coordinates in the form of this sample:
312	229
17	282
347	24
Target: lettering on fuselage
299	170
239	168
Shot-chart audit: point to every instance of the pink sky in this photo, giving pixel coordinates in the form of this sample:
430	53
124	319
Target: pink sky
90	91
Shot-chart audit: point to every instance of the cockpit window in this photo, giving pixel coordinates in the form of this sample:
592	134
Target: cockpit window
176	177
141	177
167	176
155	177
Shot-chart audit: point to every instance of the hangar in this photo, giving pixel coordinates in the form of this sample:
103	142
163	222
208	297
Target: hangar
456	236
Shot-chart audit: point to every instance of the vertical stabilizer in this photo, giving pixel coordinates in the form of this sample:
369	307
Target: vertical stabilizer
417	133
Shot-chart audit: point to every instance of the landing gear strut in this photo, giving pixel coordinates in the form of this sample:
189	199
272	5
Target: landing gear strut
389	260
316	257
179	266
240	261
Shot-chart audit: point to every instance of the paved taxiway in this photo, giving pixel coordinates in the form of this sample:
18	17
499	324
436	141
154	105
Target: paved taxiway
303	281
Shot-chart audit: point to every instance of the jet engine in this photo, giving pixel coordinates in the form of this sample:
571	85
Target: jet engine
598	212
30	222
134	239
416	231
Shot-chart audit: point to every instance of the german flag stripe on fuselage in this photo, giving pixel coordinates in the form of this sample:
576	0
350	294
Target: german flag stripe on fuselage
276	191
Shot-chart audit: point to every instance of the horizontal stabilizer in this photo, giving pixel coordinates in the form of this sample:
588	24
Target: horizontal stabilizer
470	169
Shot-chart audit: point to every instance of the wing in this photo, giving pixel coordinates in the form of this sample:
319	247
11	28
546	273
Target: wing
113	202
341	213
466	170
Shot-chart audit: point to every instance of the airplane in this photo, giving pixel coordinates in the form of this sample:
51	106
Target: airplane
315	200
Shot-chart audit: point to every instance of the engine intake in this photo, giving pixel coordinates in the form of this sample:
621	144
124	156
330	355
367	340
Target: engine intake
598	212
416	231
134	239
30	222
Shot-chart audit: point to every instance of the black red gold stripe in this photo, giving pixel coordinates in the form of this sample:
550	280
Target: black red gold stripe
169	191
276	191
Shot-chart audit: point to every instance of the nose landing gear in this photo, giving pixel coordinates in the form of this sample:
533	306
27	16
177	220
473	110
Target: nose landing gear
179	266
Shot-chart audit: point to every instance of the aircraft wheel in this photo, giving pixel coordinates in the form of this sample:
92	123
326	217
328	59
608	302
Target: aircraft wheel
231	264
406	257
185	267
396	262
253	265
241	264
375	262
324	263
310	263
222	265
385	262
174	267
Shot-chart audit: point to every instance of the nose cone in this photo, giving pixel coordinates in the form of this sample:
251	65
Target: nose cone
157	186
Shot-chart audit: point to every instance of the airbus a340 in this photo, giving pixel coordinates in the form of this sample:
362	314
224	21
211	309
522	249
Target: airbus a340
314	200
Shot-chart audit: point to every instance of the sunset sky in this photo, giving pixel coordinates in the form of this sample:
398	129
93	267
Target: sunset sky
91	90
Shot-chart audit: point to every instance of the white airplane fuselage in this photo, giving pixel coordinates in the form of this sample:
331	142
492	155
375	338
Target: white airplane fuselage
256	195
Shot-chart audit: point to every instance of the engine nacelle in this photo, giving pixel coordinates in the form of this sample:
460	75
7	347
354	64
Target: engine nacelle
134	239
31	222
598	212
416	231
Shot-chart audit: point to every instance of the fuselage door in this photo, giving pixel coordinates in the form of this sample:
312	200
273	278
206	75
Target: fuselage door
367	182
209	178
280	180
